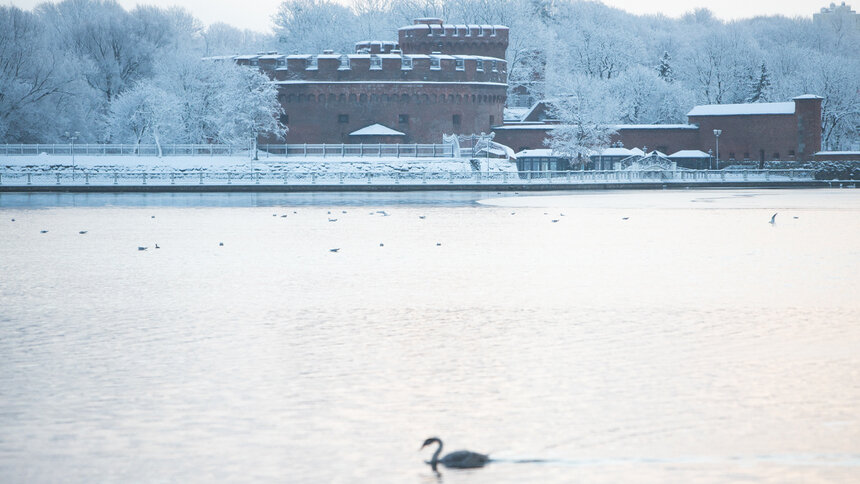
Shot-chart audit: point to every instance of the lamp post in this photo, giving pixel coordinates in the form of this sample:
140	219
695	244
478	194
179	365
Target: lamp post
717	133
72	138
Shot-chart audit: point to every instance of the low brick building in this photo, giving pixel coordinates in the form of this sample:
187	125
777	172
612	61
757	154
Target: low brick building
789	131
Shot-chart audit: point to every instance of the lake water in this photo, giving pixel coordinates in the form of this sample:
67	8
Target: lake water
692	342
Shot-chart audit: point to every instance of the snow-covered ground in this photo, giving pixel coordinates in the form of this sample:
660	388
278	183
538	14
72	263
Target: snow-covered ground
243	164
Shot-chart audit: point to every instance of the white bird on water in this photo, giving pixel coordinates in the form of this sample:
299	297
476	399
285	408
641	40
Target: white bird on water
460	459
773	219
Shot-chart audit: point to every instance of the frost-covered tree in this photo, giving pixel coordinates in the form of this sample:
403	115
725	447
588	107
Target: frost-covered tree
250	108
34	78
760	87
664	68
146	112
311	26
201	101
586	118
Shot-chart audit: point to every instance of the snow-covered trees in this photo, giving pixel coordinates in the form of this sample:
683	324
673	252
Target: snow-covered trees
760	86
62	65
194	101
33	79
586	116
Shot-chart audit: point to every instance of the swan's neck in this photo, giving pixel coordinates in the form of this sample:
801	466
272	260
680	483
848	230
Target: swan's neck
435	458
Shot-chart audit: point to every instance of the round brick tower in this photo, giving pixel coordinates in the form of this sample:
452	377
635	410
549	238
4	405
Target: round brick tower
428	35
422	91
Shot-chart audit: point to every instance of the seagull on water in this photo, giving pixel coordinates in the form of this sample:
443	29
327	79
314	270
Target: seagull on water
43	232
554	220
82	232
220	244
334	250
773	219
625	218
332	220
156	246
140	247
422	217
438	244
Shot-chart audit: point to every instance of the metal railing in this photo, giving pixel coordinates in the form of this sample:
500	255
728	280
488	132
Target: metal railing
82	177
264	150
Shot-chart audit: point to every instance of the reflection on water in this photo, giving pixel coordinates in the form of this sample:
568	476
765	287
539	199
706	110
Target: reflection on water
692	342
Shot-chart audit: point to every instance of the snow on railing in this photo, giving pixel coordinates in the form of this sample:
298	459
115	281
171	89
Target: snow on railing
84	177
264	150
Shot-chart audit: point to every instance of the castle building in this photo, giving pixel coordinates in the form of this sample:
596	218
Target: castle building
438	78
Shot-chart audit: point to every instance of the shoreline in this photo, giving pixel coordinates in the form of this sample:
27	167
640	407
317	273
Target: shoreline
498	187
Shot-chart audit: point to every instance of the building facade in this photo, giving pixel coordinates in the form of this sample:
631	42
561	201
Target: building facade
438	78
788	131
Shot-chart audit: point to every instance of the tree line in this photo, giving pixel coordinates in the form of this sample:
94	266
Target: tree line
128	75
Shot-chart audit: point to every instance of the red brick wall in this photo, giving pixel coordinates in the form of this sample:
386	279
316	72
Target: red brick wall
666	140
808	115
313	109
662	139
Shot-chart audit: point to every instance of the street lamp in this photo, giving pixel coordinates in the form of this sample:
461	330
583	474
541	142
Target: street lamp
717	133
72	139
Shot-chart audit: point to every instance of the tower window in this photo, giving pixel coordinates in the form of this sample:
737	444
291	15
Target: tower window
461	64
285	119
343	118
406	63
456	120
403	119
492	120
375	62
311	63
479	65
435	63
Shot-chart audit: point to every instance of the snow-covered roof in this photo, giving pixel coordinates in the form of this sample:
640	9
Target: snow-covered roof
515	114
542	126
689	154
435	83
537	152
616	152
376	130
840	153
742	109
451	26
657	153
637	152
655	126
807	96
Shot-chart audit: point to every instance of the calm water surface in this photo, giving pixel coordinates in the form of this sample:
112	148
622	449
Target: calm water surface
692	342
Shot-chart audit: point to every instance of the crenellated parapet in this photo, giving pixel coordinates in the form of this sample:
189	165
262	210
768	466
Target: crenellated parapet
392	67
430	35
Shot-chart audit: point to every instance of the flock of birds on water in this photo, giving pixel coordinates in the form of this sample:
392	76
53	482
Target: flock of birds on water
378	212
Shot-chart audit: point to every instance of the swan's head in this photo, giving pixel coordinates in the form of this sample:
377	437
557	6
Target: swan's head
430	441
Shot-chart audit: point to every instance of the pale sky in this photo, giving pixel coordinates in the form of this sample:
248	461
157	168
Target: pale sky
256	14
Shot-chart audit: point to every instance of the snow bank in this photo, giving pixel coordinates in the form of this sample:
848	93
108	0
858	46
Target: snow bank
224	164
